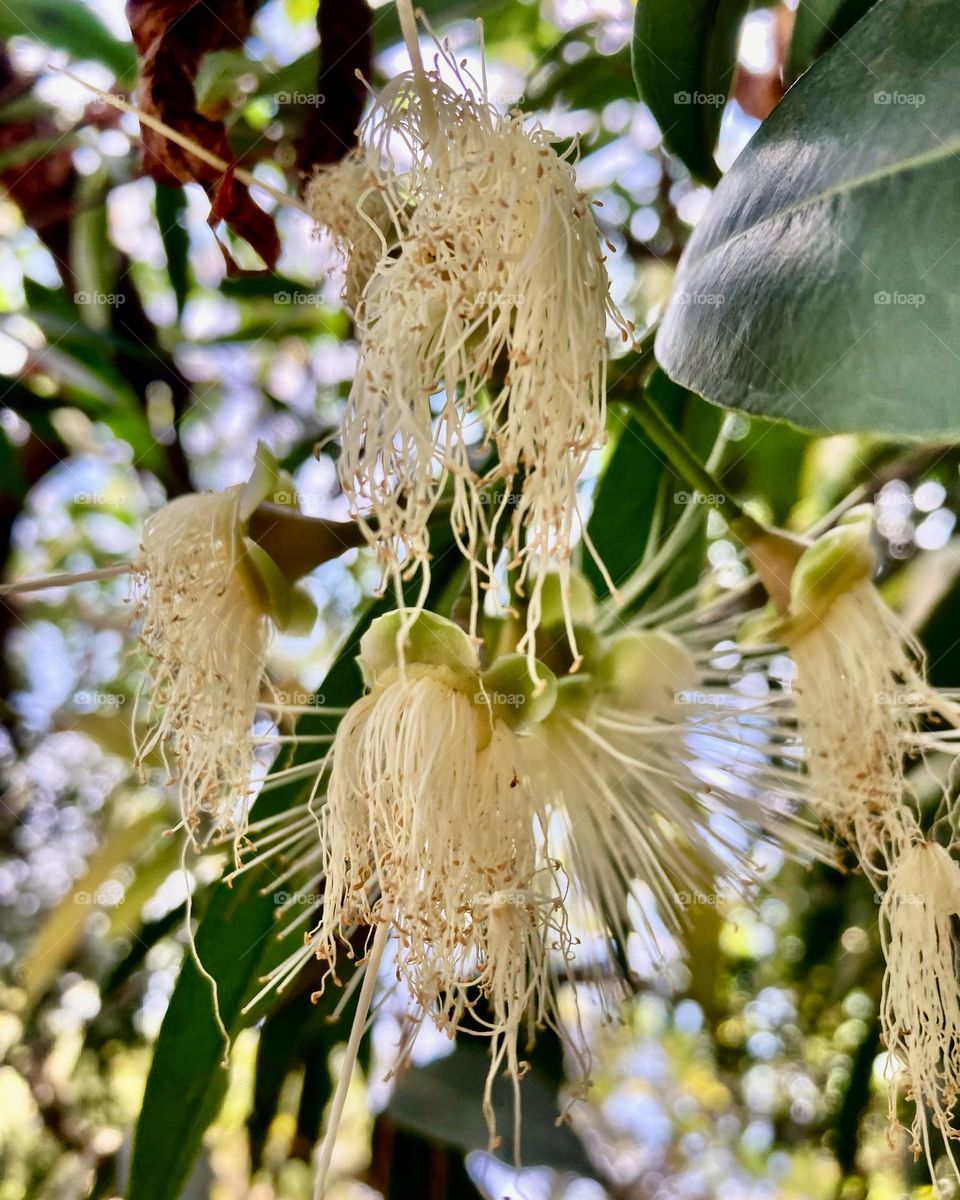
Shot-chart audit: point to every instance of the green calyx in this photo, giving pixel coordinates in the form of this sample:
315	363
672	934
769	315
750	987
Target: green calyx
288	605
836	563
426	639
514	696
430	645
575	695
643	670
561	593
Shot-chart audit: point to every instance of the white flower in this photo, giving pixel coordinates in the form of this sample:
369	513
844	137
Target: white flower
865	708
464	806
350	200
482	338
862	699
428	830
208	599
920	1008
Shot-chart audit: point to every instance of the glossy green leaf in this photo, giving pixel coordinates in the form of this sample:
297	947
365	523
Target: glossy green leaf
817	25
68	25
684	58
820	285
626	502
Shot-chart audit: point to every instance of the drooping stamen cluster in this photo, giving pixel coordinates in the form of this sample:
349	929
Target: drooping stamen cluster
208	599
920	1007
429	829
349	199
205	631
866	709
862	698
483	349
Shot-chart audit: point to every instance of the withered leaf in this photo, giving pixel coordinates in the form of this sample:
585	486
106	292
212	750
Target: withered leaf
172	37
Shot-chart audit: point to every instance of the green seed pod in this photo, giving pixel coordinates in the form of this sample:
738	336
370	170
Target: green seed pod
513	695
431	640
645	669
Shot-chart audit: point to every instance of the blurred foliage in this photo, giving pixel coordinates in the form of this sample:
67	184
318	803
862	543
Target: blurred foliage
135	369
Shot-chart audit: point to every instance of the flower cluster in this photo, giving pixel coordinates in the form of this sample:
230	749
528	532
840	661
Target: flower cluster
478	815
484	793
482	304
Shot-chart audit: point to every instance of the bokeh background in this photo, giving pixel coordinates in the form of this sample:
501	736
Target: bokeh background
133	369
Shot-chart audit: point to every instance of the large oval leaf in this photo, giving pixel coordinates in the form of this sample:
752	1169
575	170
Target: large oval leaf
684	56
821	284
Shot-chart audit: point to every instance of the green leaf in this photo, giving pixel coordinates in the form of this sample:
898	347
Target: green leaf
939	638
441	1102
171	204
590	82
69	25
684	57
93	259
817	25
625	503
820	285
811	26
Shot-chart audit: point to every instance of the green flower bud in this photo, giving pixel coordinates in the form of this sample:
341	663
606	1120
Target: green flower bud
645	669
575	694
431	640
835	563
580	600
513	695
